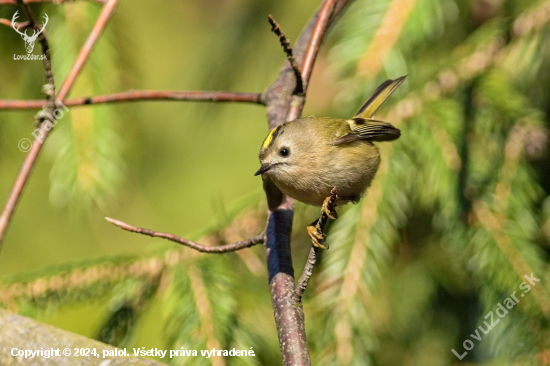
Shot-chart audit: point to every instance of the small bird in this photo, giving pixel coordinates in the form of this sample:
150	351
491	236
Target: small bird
308	157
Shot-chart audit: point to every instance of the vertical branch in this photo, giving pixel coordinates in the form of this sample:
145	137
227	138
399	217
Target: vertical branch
313	45
32	155
289	315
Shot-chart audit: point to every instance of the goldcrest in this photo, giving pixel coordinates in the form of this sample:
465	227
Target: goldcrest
308	157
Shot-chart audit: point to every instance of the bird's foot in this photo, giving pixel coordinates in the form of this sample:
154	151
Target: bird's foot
317	237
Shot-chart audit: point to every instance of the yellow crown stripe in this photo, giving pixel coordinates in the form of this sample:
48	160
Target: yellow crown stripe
269	138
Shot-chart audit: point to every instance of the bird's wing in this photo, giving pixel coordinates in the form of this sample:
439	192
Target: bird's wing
379	96
366	129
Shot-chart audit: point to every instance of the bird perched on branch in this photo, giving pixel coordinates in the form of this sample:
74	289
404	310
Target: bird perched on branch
308	157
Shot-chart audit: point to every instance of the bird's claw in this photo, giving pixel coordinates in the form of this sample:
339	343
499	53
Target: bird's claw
317	238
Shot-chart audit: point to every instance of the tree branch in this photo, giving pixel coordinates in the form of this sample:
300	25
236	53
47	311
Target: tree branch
37	336
289	316
49	88
233	247
142	95
314	251
82	57
310	56
8	23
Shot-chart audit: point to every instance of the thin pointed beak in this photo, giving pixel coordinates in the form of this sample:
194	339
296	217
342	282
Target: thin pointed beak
264	168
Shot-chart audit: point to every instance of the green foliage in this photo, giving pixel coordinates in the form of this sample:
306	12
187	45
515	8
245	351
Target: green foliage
201	306
88	168
468	187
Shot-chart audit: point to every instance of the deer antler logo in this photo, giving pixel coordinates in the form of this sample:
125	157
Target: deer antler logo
29	40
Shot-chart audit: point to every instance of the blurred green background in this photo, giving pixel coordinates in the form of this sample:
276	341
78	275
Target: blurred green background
458	214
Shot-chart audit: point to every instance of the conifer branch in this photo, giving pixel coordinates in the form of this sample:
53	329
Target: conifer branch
385	37
494	225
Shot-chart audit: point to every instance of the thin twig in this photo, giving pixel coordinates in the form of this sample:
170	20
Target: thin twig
18	25
142	95
275	28
312	258
258	239
323	19
49	88
306	274
32	154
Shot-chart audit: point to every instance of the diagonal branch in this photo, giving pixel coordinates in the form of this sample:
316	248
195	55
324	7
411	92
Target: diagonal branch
321	25
45	128
82	57
385	37
233	247
142	95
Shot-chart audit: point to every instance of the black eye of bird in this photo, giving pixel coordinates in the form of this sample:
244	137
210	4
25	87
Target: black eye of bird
284	152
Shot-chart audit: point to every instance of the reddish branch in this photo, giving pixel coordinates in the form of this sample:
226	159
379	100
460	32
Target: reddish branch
142	95
321	24
9	23
258	239
32	154
315	40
